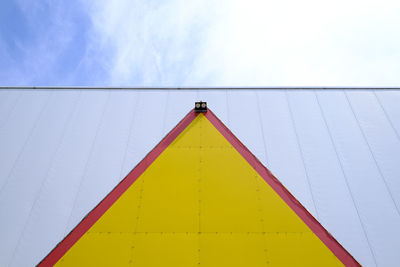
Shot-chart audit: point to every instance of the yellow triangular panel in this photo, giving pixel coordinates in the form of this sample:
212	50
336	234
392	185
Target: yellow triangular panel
199	203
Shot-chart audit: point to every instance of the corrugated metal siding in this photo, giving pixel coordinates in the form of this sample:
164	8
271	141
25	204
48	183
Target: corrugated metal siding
337	151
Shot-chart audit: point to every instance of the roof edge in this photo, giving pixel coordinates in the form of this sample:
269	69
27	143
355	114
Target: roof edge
195	88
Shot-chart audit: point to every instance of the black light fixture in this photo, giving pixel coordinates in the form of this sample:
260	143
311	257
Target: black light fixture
200	106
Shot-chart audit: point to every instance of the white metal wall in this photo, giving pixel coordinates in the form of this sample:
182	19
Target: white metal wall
337	151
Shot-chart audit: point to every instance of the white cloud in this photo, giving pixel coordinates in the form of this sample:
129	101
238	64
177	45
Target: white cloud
209	43
306	43
152	43
267	43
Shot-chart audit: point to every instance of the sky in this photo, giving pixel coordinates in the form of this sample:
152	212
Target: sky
200	43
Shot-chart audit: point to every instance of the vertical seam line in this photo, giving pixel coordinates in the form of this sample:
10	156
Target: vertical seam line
46	176
88	160
301	154
227	108
261	217
139	207
199	190
372	154
137	98
387	116
345	178
262	128
11	110
136	226
165	114
28	138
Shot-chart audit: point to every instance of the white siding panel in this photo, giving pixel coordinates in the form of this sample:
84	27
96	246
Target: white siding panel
179	103
376	208
48	220
147	129
381	139
17	129
284	156
62	151
217	102
20	192
244	121
8	101
335	207
103	169
390	103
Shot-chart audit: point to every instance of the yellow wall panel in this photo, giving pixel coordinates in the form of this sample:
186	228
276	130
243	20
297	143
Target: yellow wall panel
228	192
165	249
233	249
127	207
298	249
100	249
276	215
200	203
170	192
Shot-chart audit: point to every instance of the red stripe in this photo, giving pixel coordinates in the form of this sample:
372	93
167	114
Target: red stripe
56	254
293	203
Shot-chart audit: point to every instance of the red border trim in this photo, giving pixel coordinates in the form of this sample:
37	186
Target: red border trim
55	255
337	249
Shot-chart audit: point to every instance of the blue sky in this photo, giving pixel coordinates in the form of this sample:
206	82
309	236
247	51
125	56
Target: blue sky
200	43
